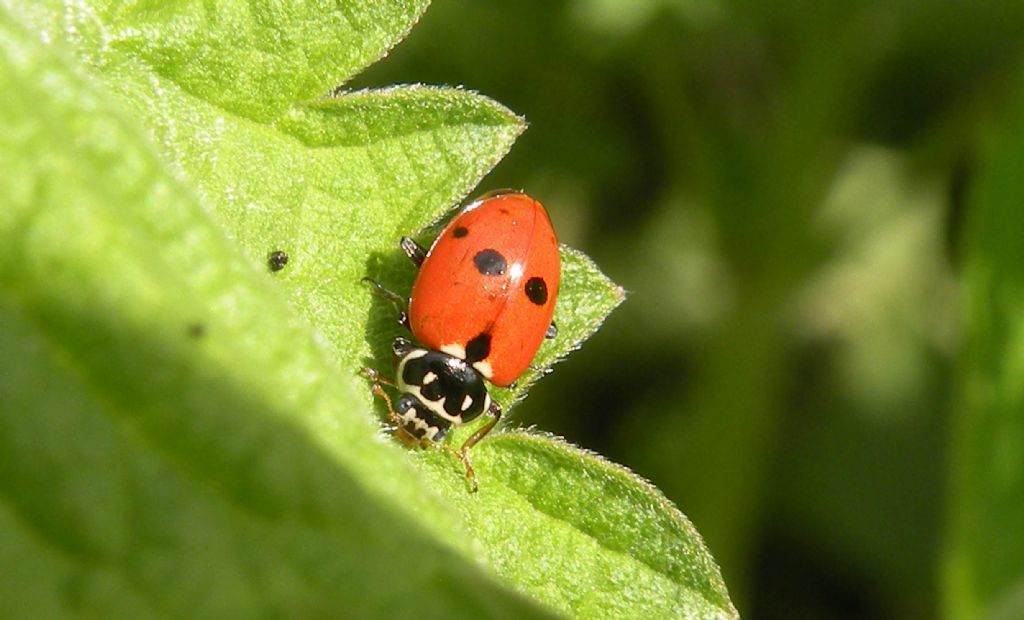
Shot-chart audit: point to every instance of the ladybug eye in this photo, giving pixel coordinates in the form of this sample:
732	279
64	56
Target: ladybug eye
490	263
460	232
537	290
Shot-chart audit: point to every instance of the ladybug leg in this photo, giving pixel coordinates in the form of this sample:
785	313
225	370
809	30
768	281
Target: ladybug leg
400	303
463	453
416	252
377	387
552	332
377	378
394	420
464	459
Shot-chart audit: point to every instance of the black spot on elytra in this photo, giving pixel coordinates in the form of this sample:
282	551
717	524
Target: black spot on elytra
537	290
490	263
460	232
478	348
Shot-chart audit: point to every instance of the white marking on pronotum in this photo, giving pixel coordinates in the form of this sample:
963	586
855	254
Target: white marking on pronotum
435	406
412	355
429	378
467	402
484	368
455	350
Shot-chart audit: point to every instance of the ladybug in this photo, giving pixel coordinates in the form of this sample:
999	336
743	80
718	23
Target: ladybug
480	307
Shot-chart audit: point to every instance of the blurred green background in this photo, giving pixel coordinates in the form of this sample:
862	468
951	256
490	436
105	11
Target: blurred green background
784	189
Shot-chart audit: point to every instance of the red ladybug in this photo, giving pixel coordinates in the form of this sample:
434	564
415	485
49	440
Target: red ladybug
481	305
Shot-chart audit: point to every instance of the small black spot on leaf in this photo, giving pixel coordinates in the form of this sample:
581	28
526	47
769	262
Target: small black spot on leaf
277	259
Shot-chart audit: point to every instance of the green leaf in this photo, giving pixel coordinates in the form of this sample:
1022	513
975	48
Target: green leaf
251	59
174	440
583	535
195	420
985	563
